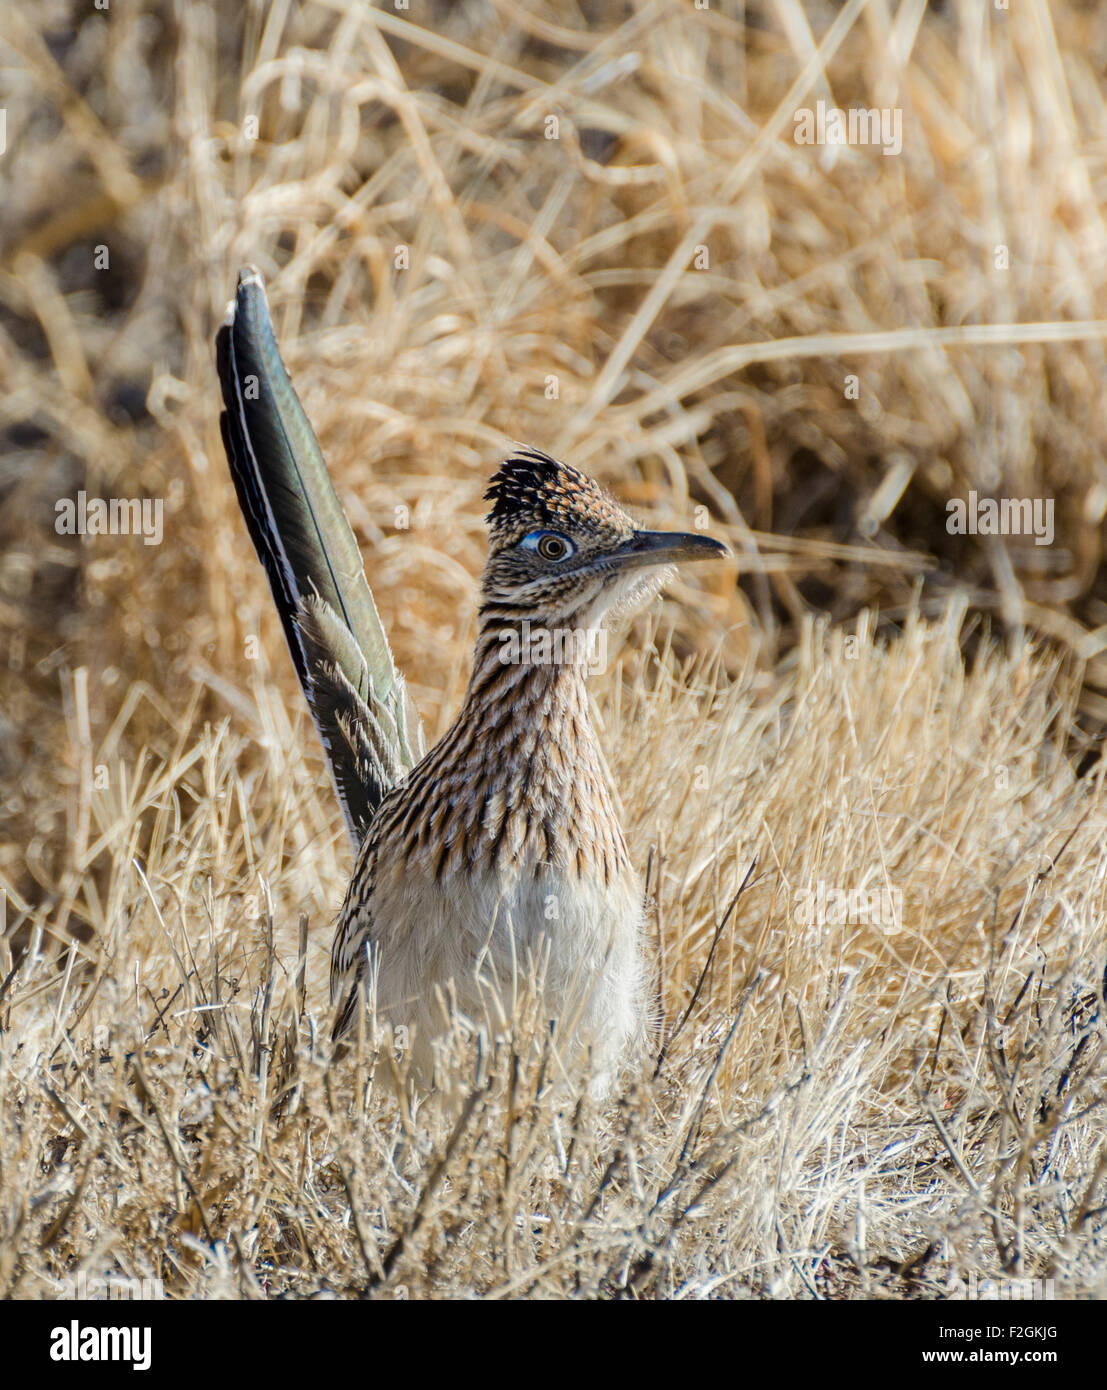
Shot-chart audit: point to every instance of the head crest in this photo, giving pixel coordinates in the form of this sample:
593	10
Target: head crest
531	489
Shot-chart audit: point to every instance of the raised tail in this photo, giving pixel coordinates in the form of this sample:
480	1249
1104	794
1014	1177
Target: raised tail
369	727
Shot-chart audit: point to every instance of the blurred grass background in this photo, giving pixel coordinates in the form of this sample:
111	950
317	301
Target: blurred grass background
671	293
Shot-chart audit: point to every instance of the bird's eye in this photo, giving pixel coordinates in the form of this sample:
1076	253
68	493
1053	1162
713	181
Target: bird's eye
553	548
551	545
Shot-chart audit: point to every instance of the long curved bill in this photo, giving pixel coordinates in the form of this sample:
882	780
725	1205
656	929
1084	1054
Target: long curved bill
648	548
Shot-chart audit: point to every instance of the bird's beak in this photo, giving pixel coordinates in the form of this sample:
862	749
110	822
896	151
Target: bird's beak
649	548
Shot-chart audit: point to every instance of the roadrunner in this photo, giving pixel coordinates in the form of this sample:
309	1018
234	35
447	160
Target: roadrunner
498	852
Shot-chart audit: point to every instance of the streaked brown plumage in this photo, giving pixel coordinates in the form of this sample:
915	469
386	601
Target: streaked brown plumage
499	852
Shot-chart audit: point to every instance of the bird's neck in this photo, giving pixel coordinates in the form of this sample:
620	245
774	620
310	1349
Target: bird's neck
527	695
519	653
524	749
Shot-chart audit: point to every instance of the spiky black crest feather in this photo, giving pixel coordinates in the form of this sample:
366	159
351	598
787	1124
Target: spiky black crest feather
532	489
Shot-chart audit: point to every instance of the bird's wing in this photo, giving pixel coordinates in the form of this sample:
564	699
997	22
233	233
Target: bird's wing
370	729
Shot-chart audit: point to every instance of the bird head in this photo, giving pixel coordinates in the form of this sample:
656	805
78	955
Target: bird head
563	553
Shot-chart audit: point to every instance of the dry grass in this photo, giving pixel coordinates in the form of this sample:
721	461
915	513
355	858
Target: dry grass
846	1109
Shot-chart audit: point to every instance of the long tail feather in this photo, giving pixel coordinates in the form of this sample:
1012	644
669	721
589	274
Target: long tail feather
369	727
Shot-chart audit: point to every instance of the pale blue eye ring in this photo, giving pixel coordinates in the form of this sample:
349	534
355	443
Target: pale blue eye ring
551	545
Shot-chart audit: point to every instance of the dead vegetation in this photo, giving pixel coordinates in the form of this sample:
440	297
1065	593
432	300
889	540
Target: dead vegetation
842	1108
